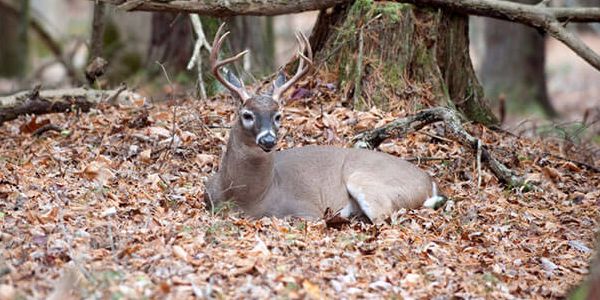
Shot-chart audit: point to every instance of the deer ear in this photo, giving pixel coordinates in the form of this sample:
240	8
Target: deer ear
233	79
279	81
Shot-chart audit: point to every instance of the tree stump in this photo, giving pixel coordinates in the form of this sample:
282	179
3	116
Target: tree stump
384	51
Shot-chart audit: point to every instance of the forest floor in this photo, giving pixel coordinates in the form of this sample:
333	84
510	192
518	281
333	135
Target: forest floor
112	207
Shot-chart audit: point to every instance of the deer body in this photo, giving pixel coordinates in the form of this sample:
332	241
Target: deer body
305	181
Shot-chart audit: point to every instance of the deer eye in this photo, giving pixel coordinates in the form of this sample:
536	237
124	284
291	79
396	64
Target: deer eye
277	119
248	116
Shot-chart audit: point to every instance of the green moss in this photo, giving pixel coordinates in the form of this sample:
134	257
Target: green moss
392	11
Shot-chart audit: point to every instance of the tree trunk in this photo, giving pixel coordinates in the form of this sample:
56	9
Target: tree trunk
383	51
513	65
97	36
171	43
14	47
255	34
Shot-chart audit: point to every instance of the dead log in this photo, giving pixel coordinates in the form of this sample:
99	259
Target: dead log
402	126
228	8
52	101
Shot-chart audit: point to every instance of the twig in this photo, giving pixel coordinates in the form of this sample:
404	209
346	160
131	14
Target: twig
419	159
174	127
478	164
579	163
112	99
443	139
47	127
358	77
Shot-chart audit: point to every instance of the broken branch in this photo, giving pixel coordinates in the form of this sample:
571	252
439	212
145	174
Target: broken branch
402	126
51	101
548	19
226	8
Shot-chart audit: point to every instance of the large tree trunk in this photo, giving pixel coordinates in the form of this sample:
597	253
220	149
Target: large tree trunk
513	65
255	34
171	42
383	51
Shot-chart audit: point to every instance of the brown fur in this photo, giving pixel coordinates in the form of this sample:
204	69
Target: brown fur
305	181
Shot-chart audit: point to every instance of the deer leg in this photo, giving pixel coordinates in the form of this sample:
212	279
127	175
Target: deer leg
375	199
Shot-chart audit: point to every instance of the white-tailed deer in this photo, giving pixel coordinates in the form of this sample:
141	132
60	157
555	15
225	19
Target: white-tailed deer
306	181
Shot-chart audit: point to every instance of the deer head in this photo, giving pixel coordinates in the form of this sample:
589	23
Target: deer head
259	115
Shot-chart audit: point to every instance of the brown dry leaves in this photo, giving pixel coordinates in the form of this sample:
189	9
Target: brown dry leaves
117	203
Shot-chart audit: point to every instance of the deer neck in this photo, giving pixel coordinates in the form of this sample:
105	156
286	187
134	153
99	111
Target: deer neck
247	172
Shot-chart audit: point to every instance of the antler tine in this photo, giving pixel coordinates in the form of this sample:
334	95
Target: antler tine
304	44
216	64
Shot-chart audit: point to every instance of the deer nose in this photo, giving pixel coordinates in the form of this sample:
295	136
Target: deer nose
267	142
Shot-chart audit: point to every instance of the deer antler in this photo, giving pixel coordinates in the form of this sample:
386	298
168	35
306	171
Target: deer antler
216	64
304	45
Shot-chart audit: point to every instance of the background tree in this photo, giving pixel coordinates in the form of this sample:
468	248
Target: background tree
14	48
171	42
513	65
255	34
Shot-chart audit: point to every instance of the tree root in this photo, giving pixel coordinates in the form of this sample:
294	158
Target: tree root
402	126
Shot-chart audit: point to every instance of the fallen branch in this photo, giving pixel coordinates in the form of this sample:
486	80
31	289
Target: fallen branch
45	128
372	138
226	8
573	161
540	16
52	101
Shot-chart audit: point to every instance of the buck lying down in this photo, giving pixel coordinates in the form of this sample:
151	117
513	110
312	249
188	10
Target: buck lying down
306	181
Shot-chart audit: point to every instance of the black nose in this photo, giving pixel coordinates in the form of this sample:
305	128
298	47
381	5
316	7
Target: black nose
267	142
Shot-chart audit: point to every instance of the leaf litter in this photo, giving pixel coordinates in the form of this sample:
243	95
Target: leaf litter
115	209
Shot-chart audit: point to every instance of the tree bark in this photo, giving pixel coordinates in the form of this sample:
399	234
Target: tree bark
384	49
513	65
97	38
228	8
14	45
255	34
171	43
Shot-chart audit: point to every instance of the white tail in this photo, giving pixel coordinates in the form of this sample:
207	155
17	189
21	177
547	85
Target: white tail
306	181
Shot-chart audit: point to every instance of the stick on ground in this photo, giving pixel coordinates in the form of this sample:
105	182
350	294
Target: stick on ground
402	126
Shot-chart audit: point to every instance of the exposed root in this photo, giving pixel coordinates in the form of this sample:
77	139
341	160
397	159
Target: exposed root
402	126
